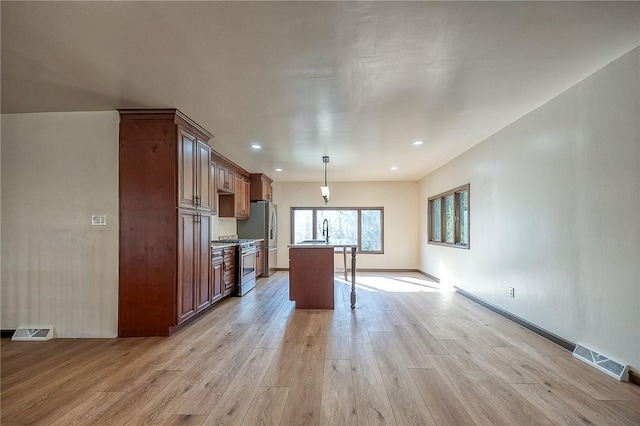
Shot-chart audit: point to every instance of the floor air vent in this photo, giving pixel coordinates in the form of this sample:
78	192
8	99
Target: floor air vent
33	333
601	362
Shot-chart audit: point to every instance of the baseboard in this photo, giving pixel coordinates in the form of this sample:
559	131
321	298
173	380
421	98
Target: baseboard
431	277
568	345
634	377
6	333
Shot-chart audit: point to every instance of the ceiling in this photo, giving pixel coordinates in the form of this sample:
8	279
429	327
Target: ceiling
357	81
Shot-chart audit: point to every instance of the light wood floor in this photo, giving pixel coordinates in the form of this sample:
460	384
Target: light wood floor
418	357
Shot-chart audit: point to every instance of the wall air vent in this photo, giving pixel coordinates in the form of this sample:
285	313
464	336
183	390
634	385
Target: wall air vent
602	362
33	334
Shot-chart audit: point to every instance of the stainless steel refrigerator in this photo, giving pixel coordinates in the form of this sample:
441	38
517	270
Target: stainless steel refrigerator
263	223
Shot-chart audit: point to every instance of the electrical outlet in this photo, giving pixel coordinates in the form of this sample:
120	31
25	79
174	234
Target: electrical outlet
512	292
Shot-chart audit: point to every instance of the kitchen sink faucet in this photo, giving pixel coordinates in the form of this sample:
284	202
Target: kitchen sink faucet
325	230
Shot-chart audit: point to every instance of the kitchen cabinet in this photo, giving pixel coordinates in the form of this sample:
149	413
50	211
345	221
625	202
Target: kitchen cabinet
217	261
311	277
193	286
229	270
259	258
213	188
242	197
225	180
261	188
236	204
194	172
165	211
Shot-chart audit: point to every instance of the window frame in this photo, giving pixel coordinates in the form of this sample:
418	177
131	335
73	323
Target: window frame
314	224
456	210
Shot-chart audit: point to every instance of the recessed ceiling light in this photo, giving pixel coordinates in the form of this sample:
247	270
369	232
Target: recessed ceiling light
256	146
416	143
394	167
278	169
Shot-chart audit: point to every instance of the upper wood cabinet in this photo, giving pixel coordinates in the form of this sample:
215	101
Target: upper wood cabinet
261	189
225	179
213	187
164	211
236	204
194	172
232	183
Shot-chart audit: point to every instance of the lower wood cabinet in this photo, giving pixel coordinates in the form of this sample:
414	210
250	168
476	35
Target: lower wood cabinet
217	260
228	271
311	277
193	286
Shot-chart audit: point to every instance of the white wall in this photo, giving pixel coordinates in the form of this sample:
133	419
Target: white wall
57	170
399	200
555	213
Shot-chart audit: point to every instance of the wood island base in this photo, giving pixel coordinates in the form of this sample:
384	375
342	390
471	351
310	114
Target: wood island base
311	277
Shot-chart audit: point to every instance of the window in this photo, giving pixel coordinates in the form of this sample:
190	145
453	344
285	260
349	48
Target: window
448	217
361	226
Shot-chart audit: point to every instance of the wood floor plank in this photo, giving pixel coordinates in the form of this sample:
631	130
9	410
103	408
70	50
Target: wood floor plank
485	369
372	402
440	400
406	402
234	403
305	390
574	397
338	398
267	406
460	379
185	420
89	410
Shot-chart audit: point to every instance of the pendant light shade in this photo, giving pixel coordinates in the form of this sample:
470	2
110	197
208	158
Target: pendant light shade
325	189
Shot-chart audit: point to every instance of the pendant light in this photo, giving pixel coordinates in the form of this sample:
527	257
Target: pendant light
325	189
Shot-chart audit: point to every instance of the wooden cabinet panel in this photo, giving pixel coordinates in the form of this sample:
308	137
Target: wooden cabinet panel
204	177
229	270
202	284
164	263
236	204
261	189
216	275
194	172
213	187
187	264
186	169
225	179
311	277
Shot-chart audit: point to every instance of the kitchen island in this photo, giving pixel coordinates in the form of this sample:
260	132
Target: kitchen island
311	274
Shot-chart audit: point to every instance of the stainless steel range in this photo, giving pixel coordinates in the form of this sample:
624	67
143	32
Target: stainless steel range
246	255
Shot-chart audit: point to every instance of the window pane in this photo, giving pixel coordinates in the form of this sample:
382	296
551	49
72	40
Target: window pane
450	219
435	220
343	226
371	230
302	225
464	218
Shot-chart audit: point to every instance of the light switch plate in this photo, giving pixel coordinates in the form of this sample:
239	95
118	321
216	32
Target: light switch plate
98	220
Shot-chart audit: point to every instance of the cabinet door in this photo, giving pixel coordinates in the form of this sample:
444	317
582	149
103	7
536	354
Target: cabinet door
204	177
220	177
216	277
239	198
202	283
245	199
214	186
186	299
186	169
